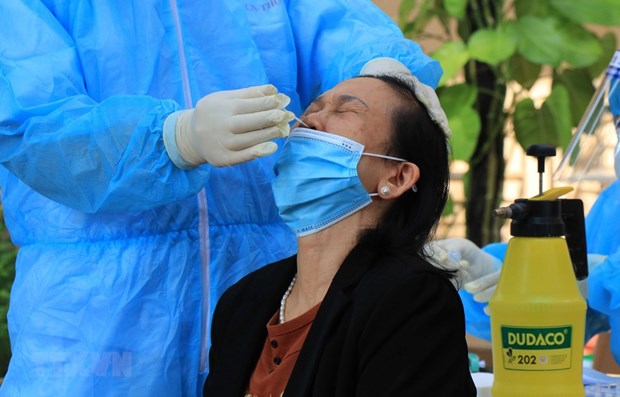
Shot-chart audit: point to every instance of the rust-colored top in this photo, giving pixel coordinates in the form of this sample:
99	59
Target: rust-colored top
280	351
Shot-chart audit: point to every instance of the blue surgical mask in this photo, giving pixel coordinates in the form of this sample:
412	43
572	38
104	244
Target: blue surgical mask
316	182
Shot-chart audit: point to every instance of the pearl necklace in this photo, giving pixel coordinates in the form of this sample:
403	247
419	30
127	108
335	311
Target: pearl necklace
285	297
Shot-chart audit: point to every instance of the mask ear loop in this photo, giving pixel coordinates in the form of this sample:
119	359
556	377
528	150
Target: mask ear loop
414	188
382	156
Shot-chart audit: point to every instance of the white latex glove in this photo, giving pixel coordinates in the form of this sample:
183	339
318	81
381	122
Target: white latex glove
228	127
483	288
462	255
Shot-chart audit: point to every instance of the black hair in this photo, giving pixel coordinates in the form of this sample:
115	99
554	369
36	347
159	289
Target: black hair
412	219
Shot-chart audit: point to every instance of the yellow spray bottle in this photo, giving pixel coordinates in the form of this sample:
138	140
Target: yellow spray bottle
537	311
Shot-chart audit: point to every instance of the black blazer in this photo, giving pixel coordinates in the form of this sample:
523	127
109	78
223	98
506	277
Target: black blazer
389	326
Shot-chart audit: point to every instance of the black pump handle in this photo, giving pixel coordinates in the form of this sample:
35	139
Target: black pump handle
574	225
541	152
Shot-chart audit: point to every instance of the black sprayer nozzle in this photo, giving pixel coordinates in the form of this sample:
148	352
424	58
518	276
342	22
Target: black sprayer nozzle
518	210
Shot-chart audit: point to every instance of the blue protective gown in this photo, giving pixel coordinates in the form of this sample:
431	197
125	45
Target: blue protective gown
604	224
603	227
123	255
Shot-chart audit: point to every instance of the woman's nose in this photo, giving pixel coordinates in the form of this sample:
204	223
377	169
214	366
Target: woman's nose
313	121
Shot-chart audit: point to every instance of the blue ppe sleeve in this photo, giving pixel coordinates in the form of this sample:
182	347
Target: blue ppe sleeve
498	250
335	39
613	73
614	97
604	296
91	154
601	234
596	322
477	322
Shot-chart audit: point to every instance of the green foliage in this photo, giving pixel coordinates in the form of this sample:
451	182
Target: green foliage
523	71
579	85
7	274
599	12
518	41
455	8
545	32
608	45
452	56
492	45
457	102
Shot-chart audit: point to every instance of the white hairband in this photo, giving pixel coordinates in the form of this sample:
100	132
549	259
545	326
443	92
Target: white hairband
428	97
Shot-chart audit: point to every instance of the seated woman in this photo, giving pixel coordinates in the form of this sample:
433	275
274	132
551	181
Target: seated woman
359	311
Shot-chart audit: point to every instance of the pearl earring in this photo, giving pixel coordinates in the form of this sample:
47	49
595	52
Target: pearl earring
385	191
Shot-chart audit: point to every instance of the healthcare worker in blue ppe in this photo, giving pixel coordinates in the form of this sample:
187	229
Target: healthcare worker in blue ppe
603	233
129	224
601	288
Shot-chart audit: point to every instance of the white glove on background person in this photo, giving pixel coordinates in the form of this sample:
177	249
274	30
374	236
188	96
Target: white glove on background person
483	288
228	127
462	255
